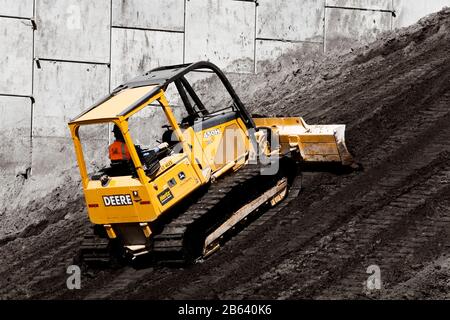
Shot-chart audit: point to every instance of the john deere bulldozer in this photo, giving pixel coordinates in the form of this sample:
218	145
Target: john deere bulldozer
214	165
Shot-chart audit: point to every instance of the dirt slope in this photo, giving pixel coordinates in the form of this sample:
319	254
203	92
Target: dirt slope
394	96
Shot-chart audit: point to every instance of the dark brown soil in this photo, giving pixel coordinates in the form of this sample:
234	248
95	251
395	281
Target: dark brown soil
394	97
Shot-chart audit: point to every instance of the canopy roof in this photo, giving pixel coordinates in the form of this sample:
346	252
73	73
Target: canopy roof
116	105
128	97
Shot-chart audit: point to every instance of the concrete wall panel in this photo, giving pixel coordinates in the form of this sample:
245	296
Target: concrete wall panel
52	155
155	14
269	50
299	20
345	27
222	32
16	56
145	126
137	51
73	30
16	8
410	11
62	91
15	134
362	4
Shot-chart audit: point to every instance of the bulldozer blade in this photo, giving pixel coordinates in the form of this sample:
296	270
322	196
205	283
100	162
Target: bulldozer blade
315	143
323	143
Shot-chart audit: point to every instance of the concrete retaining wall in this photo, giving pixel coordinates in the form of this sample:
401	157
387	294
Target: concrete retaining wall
59	56
15	134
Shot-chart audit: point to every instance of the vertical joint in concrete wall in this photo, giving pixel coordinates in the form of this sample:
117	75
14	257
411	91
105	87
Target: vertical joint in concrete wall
184	31
110	60
110	40
324	26
29	170
394	14
254	42
33	101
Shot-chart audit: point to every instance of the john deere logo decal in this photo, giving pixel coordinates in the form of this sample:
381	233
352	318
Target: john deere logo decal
117	200
165	196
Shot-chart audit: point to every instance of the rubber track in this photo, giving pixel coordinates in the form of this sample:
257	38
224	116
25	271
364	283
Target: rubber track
293	193
130	278
170	242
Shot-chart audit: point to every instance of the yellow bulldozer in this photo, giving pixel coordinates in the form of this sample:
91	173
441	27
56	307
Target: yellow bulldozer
177	198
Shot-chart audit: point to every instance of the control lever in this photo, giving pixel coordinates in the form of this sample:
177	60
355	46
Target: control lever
151	158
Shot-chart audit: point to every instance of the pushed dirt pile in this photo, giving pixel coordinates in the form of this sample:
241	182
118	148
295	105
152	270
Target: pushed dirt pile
394	96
